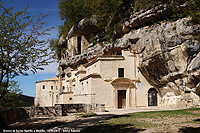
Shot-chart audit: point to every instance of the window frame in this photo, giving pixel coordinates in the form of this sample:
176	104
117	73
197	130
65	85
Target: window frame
121	72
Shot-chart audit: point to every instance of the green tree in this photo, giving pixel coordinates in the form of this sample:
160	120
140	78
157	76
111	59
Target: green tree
21	47
105	11
9	99
72	11
57	48
194	11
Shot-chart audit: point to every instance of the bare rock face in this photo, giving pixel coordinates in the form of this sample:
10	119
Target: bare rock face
61	40
183	100
86	26
142	17
170	59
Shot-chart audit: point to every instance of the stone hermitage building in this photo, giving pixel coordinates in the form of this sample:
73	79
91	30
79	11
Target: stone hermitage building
148	66
113	80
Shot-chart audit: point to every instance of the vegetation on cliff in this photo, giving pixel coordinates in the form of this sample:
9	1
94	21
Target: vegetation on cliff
106	11
112	15
73	11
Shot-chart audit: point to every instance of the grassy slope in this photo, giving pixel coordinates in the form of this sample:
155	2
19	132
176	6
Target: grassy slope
159	121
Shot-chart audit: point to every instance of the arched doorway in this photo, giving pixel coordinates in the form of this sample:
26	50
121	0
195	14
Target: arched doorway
152	97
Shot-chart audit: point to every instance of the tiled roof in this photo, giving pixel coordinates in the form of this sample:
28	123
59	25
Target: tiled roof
93	75
51	79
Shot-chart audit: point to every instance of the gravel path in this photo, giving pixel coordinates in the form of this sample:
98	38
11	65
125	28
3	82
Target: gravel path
75	123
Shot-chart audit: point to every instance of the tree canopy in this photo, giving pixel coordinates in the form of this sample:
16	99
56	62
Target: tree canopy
57	48
21	46
72	11
9	99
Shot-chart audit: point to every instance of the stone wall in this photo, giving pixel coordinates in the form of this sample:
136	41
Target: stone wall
63	109
76	108
12	115
43	111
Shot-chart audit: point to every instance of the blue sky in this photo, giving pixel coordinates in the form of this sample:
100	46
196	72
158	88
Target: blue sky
49	7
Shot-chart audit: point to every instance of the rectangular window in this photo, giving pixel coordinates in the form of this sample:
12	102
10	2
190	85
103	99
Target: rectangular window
43	86
120	72
63	87
51	87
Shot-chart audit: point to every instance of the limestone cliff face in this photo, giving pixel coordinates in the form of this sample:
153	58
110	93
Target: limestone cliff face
170	59
168	53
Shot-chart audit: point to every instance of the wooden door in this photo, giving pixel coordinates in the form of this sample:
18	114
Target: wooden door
121	98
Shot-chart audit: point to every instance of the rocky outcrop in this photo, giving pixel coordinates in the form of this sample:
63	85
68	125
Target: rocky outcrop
143	17
86	26
74	61
183	100
169	55
170	60
62	40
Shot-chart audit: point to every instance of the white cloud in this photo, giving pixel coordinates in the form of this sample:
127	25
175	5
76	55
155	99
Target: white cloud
49	69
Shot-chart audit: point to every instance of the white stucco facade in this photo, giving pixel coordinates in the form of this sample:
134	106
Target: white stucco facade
111	80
